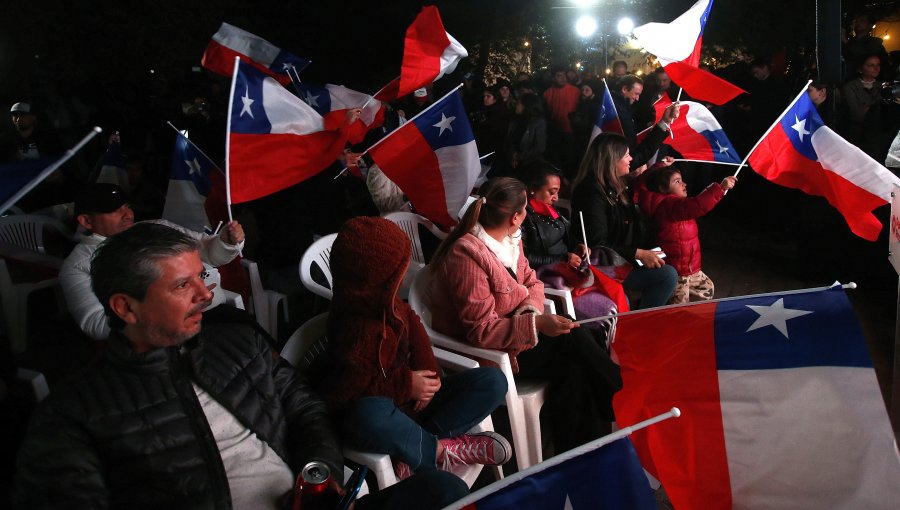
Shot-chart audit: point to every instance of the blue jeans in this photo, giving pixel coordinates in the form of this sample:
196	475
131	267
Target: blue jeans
426	491
376	424
656	285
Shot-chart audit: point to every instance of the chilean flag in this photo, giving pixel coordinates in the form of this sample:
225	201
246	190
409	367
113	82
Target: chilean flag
275	140
230	41
190	183
607	118
801	152
780	404
677	46
429	53
697	135
433	159
333	101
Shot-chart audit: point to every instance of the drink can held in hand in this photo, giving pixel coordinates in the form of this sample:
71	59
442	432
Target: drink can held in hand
311	490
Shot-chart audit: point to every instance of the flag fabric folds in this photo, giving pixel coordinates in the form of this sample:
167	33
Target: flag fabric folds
429	53
189	186
677	46
16	174
607	477
801	152
779	402
696	134
333	101
607	118
275	140
230	41
433	159
113	167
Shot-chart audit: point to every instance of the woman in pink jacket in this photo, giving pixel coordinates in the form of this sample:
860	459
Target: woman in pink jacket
486	294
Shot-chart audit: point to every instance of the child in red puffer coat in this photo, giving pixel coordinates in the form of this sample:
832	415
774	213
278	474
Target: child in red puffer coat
662	195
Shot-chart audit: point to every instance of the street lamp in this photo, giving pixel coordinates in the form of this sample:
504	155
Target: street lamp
625	26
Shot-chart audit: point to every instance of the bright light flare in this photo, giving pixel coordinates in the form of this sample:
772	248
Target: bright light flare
586	26
625	26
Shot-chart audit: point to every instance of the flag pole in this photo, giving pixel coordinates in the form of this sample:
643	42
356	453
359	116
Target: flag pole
489	154
379	92
584	235
711	162
361	154
50	169
194	145
797	98
559	459
234	74
850	285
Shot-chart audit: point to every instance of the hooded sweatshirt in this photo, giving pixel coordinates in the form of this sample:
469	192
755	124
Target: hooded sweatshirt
376	340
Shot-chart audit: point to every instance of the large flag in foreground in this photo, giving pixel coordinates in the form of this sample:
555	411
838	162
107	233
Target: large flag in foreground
275	140
433	159
333	101
780	404
429	53
677	46
609	477
607	118
230	41
696	134
801	152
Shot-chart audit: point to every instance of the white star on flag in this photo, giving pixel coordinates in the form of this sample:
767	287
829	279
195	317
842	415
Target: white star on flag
193	166
568	505
775	315
445	123
800	127
312	100
722	148
247	102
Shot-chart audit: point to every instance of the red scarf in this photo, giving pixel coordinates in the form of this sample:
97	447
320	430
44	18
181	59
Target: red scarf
542	208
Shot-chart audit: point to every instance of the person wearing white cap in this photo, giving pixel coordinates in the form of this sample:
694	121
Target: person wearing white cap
29	143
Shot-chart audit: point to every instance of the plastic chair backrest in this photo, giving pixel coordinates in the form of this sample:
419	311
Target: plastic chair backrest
318	254
409	223
465	207
308	342
259	300
27	231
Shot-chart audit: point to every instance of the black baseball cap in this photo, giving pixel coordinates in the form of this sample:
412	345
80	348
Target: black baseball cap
101	198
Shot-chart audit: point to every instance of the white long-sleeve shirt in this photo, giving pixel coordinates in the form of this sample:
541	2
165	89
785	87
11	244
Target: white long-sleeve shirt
75	276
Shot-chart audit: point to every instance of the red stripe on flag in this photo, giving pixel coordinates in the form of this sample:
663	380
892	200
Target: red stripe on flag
701	84
220	60
425	42
668	359
776	160
407	159
260	165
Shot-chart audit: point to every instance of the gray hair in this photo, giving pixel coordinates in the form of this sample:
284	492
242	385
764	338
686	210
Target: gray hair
126	263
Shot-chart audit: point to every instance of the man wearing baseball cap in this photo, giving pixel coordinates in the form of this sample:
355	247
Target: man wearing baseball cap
102	209
31	142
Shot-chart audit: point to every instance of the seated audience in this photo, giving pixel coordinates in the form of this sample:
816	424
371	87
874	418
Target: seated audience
615	227
103	210
379	371
486	294
663	196
178	416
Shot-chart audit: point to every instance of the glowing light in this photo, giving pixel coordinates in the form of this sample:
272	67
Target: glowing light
585	3
639	72
608	71
527	44
625	26
586	26
886	37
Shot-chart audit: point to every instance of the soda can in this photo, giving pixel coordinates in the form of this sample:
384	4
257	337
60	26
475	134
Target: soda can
311	490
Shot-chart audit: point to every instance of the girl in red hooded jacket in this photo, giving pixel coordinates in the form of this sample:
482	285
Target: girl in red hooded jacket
662	195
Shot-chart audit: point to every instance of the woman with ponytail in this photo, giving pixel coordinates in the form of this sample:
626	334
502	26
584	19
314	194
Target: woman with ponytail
485	293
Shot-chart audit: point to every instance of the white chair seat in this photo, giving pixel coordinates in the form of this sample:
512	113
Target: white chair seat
319	254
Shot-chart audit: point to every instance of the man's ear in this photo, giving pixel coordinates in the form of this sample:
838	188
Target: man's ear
84	220
125	307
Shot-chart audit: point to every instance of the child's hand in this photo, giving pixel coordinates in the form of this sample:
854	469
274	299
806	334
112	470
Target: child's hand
574	260
425	383
729	182
650	259
667	161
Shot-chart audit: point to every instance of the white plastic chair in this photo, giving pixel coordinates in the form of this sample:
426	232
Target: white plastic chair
318	253
264	303
14	298
565	297
307	343
409	223
465	207
524	399
27	230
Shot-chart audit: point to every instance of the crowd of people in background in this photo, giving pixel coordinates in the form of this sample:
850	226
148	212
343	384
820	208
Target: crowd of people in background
635	244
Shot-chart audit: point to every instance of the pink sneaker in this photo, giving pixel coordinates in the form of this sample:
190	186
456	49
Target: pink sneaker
402	470
488	448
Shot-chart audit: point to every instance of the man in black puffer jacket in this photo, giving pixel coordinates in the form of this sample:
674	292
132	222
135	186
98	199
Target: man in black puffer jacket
172	417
